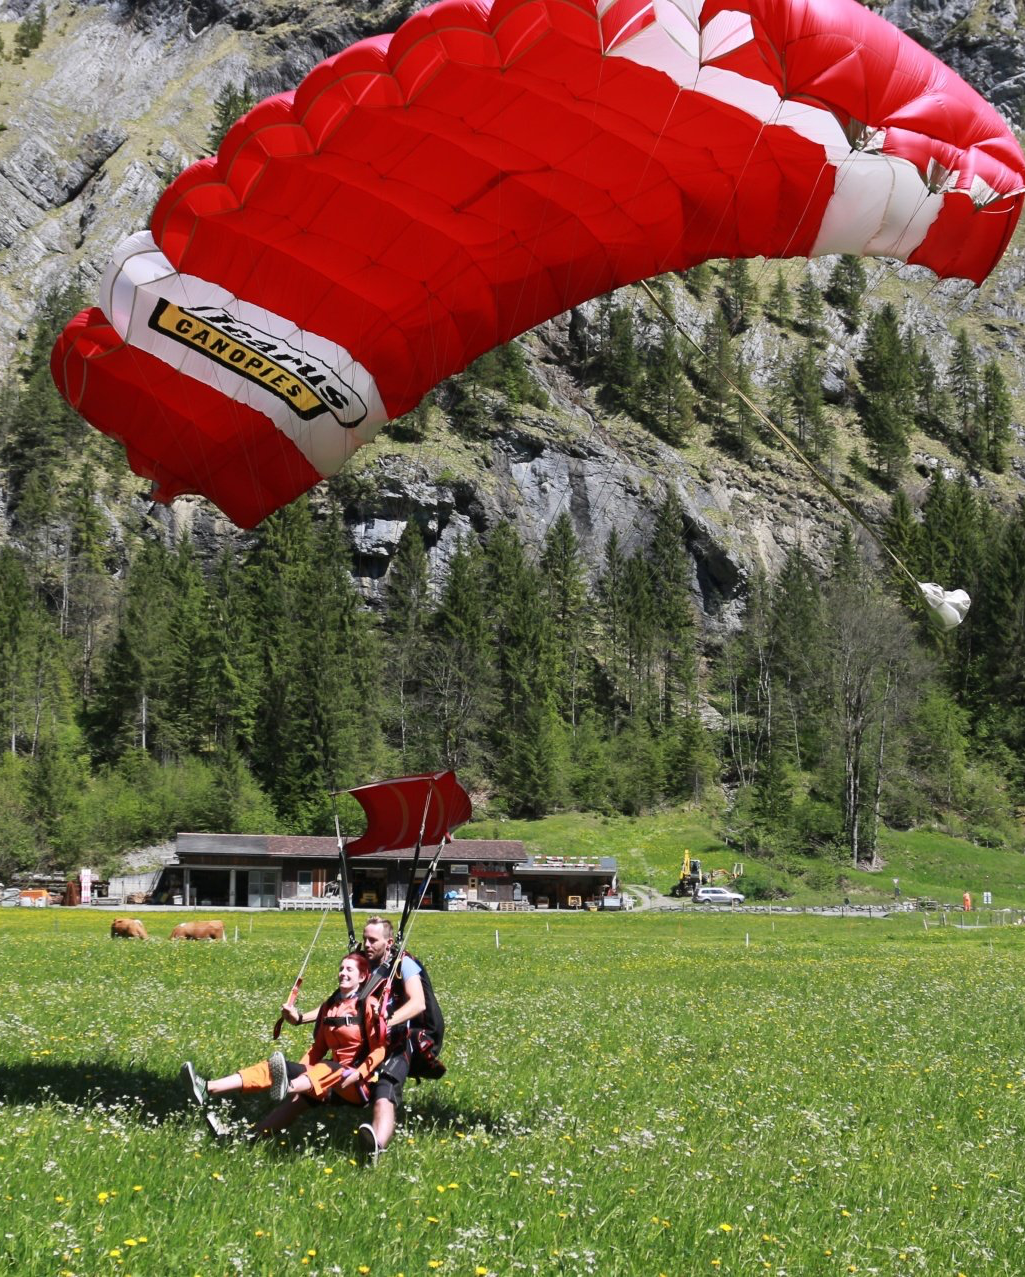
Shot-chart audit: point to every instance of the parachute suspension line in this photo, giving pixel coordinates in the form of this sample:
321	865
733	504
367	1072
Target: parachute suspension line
788	443
407	908
302	971
343	876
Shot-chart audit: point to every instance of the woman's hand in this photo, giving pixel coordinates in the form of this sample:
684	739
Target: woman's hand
290	1014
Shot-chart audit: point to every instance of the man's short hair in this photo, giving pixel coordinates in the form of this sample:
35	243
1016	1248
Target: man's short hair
378	921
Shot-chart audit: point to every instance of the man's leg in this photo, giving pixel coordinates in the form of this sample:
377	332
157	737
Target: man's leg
384	1122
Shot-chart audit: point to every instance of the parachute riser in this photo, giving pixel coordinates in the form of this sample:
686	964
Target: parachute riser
290	1001
343	879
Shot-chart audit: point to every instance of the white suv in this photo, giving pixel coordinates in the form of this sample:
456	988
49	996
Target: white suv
717	896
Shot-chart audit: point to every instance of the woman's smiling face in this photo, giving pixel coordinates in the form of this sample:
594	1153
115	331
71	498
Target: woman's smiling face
349	977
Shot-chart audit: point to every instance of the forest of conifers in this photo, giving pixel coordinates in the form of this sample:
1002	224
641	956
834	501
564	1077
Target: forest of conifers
144	691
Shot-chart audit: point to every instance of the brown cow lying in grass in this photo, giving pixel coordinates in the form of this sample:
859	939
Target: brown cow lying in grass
127	929
198	931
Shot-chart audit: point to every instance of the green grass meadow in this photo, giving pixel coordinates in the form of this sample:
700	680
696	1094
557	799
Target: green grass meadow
640	1094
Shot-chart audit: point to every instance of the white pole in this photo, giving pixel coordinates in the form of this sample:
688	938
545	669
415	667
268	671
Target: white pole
236	935
496	938
747	939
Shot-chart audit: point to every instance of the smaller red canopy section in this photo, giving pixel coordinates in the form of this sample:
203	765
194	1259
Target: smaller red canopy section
395	812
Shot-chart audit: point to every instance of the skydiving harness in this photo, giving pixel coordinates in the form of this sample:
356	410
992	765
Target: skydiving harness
361	1085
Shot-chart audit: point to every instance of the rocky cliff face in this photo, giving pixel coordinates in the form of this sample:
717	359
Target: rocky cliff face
118	97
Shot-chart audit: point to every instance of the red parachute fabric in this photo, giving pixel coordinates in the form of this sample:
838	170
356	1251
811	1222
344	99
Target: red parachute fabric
395	811
424	196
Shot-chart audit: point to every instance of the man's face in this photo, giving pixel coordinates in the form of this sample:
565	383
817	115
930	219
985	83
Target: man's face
375	942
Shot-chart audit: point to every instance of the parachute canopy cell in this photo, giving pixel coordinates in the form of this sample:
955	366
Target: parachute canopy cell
425	196
397	810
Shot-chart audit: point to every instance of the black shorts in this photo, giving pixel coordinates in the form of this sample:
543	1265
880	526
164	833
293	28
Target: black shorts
391	1078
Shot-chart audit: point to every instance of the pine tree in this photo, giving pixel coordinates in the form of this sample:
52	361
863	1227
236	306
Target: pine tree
612	602
564	582
810	310
697	279
230	105
846	288
995	414
738	296
744	416
459	670
132	690
806	397
405	618
963	384
670	408
718	370
902	534
671	574
887	401
29	33
621	365
87	583
780	305
524	726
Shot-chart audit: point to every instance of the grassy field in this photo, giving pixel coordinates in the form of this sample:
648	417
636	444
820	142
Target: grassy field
638	1094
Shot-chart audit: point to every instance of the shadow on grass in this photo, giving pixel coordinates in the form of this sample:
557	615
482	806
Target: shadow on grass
90	1084
154	1097
429	1110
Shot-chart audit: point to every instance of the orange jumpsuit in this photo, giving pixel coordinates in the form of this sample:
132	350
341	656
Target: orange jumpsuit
338	1042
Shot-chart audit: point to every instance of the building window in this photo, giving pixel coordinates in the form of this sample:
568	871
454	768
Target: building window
304	883
263	888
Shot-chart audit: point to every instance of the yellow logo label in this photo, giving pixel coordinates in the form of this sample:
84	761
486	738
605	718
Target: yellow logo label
304	382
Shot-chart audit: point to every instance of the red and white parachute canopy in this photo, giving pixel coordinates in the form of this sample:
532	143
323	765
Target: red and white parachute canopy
424	196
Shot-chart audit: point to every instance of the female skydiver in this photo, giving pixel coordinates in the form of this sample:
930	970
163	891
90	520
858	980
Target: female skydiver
346	1050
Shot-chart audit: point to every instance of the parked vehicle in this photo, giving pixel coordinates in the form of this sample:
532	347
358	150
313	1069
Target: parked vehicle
717	896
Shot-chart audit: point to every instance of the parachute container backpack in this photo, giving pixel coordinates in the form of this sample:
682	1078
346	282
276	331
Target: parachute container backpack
424	196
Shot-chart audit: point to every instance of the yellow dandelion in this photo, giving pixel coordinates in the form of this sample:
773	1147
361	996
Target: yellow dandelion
514	1175
480	1271
115	1253
725	1228
329	1170
434	1263
363	1268
102	1197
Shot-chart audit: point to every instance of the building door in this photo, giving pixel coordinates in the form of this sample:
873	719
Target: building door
263	888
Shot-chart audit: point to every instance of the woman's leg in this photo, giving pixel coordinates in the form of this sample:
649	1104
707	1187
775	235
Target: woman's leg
277	1119
221	1085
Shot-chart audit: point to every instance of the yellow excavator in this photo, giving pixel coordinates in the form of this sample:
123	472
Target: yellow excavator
692	876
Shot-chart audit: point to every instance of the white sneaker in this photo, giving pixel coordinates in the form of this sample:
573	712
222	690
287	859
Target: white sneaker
196	1084
367	1141
218	1129
279	1076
